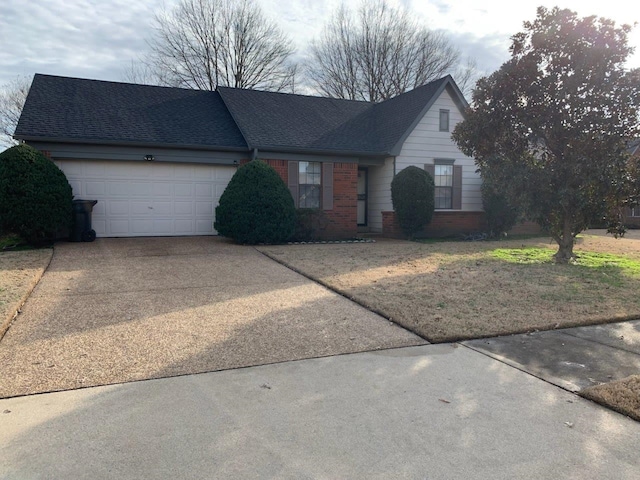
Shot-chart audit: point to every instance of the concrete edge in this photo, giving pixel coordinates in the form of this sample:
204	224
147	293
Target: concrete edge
558	382
349	297
15	310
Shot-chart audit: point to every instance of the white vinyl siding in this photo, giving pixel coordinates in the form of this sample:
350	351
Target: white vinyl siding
379	193
427	143
138	199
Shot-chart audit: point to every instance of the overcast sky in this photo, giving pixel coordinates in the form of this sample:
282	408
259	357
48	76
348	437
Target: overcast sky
99	38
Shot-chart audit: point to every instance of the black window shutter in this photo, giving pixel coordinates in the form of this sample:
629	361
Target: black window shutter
457	187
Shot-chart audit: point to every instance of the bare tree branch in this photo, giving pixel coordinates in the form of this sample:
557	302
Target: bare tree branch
12	97
205	43
376	53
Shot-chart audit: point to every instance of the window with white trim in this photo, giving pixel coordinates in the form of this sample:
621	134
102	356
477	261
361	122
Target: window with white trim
309	180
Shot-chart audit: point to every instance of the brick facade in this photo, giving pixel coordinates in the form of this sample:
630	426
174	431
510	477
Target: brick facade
444	224
341	221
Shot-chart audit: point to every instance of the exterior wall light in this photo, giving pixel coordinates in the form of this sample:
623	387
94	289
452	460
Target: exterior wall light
149	158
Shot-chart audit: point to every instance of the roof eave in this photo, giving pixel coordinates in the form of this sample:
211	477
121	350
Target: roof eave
318	151
220	148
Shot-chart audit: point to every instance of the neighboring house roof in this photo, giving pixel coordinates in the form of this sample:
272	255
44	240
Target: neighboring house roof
71	109
92	111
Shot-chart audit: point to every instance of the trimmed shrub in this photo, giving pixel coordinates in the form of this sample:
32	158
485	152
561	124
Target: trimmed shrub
35	196
310	224
501	216
256	207
412	194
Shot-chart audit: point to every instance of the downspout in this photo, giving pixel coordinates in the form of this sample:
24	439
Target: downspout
254	154
394	166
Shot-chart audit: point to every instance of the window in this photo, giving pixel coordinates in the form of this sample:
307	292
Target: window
635	212
443	179
309	175
444	120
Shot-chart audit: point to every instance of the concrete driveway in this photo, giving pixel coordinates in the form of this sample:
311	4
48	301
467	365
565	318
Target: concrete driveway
120	310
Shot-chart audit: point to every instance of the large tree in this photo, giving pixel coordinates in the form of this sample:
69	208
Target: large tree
205	43
376	53
551	126
12	97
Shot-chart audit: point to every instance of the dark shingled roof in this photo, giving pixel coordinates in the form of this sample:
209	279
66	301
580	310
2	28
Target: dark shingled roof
71	109
81	110
278	121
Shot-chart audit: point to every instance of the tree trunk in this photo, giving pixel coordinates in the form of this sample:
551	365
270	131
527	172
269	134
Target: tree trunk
565	244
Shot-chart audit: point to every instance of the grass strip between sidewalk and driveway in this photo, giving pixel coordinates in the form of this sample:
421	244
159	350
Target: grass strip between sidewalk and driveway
449	291
622	395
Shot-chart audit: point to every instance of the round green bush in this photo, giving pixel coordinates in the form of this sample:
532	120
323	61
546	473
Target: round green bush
256	207
35	196
412	194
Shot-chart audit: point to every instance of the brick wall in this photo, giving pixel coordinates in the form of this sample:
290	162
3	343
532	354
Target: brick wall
445	224
341	221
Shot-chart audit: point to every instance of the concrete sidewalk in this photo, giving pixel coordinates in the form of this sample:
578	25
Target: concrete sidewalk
572	358
428	412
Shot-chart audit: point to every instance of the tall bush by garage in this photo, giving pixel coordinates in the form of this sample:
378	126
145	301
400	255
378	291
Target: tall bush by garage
35	196
412	194
256	207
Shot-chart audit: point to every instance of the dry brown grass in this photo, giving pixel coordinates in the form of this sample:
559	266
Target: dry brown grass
448	291
19	273
622	395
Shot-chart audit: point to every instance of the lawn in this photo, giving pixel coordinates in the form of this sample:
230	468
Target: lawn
19	273
448	291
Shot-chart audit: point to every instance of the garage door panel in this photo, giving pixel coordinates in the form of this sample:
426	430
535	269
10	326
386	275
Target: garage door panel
163	209
122	189
149	198
162	190
117	208
141	208
204	208
183	208
183	190
94	188
204	227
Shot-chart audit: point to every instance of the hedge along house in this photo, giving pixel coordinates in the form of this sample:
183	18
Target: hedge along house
157	159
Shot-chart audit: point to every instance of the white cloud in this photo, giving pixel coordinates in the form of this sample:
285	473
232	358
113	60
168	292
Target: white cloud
98	38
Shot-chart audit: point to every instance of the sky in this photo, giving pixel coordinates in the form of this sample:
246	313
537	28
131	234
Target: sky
98	39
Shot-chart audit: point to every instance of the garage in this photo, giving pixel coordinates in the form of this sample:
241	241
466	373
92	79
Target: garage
137	198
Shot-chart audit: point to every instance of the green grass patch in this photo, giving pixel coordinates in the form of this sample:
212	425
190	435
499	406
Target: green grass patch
10	240
604	262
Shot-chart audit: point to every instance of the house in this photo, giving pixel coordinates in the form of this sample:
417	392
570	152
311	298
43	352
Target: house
632	215
157	159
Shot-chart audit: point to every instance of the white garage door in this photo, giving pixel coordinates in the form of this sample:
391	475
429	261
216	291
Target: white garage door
148	199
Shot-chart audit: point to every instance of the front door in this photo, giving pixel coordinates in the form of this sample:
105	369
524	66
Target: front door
362	197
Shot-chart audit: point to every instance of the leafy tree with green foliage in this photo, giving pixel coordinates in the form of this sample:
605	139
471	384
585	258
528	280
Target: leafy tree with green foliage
412	194
256	207
501	215
35	196
551	126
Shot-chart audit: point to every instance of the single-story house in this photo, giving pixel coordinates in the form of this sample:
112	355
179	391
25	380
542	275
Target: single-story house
157	159
632	215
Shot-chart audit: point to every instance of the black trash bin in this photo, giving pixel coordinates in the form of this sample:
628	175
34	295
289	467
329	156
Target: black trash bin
81	230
